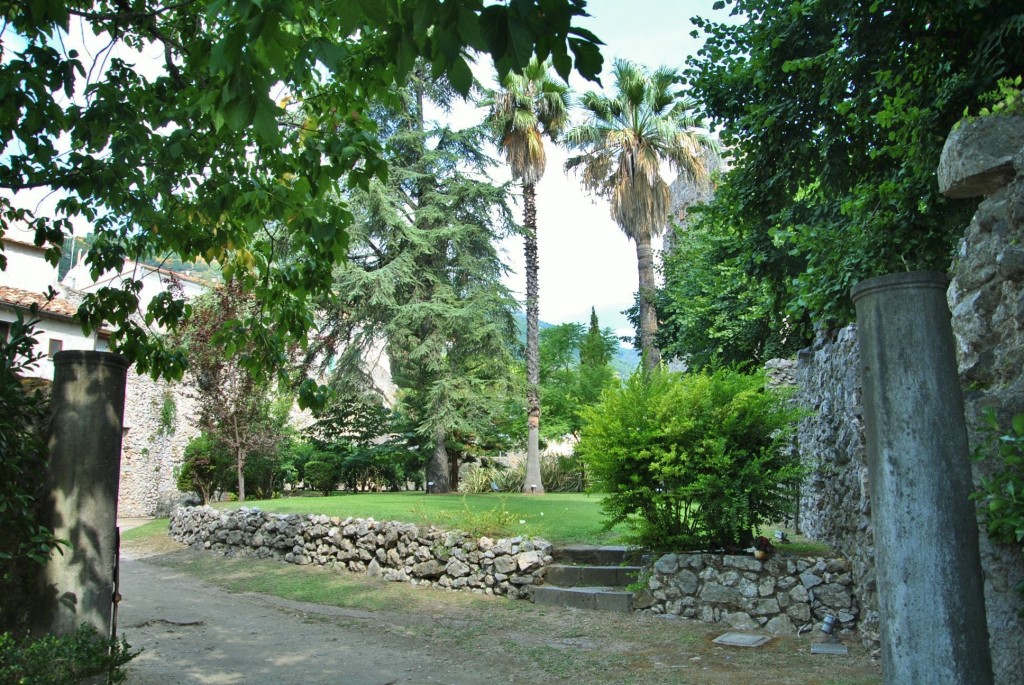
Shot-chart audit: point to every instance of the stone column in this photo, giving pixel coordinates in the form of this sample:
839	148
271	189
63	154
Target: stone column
87	409
931	602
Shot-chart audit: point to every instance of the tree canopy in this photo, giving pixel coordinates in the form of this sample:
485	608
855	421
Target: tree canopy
423	277
232	147
835	114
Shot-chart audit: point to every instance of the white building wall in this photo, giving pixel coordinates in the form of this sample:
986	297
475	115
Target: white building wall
27	267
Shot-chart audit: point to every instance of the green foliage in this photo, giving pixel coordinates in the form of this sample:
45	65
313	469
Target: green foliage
1007	98
324	473
198	159
207	468
574	371
712	312
559	474
236	405
692	461
497	521
168	414
622	146
1002	492
357	442
25	545
61	660
424	275
836	114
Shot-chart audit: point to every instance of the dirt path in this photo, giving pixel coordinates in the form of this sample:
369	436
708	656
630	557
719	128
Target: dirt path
192	632
195	632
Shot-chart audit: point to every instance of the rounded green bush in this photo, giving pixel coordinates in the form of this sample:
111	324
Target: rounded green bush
692	461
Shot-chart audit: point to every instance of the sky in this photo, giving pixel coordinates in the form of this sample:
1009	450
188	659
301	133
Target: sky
585	259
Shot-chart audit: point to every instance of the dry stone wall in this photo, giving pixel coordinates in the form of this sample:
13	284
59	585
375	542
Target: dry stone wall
400	552
835	501
784	596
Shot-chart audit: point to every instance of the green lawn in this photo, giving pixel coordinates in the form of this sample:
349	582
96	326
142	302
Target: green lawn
558	517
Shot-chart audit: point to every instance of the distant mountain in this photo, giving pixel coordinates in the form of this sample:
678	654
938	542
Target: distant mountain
624	362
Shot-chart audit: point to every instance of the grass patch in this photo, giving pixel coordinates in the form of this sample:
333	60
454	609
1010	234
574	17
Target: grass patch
315	584
559	518
146	530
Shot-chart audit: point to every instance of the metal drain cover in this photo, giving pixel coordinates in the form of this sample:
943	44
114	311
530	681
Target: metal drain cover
829	648
741	640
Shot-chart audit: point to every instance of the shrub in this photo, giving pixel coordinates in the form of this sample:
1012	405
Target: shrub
692	461
323	473
59	660
207	469
559	474
24	545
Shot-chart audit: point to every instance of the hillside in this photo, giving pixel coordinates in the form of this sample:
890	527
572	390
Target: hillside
624	362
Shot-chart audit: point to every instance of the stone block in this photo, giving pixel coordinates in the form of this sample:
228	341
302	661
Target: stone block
978	157
686	581
719	594
740	620
742	562
669	563
780	625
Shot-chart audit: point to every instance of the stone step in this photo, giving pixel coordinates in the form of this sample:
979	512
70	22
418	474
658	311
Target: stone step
593	555
564	575
593	598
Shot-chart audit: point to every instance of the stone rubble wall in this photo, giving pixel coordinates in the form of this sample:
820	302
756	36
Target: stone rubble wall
781	373
784	596
150	450
400	552
986	297
835	499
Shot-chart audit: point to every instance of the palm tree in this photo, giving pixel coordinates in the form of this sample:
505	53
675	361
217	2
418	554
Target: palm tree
529	106
625	141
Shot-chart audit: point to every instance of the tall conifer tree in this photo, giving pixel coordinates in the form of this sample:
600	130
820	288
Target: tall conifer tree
424	277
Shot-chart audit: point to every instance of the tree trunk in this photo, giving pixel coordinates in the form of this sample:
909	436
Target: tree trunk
533	481
437	467
241	476
239	460
651	355
454	458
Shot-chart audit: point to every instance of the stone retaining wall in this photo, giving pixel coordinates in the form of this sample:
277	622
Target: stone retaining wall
400	552
835	499
785	596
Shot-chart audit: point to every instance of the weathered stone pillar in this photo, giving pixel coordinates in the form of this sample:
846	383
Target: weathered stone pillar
85	452
931	602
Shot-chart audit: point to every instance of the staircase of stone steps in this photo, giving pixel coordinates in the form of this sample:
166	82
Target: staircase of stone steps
590	577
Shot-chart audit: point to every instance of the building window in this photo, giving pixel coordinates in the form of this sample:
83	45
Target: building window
55	347
5	331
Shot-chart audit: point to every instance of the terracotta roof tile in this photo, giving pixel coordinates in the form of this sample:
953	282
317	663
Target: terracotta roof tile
25	299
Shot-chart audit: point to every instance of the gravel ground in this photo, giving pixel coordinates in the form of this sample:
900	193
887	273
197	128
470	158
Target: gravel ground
193	631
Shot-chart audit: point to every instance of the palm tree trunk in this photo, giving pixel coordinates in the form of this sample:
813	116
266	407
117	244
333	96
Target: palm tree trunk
533	481
648	316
